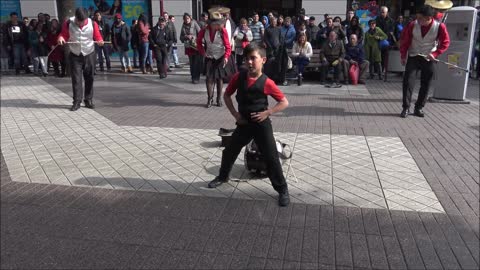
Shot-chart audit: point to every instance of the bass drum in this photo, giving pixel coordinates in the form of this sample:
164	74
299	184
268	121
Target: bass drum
254	161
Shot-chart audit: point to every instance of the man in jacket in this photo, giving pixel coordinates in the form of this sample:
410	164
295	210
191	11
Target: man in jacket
121	37
312	30
355	55
172	59
161	39
17	36
103	51
387	24
332	55
82	32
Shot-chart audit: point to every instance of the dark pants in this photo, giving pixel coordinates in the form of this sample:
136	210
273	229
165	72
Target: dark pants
336	70
262	133
82	65
195	62
103	51
301	62
239	61
426	68
161	56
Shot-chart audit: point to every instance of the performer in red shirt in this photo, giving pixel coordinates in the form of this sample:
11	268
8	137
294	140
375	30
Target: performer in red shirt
81	33
252	119
214	45
424	36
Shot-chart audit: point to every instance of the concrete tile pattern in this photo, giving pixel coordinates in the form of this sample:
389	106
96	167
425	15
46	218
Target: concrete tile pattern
42	142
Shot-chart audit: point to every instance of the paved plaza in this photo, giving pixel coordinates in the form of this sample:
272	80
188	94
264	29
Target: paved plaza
124	185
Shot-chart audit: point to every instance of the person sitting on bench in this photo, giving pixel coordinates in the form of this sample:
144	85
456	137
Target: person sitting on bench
332	55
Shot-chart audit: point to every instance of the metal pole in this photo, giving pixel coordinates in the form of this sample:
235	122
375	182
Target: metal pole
161	8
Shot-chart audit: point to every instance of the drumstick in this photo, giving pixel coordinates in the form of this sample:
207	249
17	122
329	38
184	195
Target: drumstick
74	42
445	63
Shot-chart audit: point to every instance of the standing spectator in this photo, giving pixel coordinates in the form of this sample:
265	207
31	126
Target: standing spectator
143	32
288	33
56	56
202	22
397	31
18	42
217	51
387	24
172	50
230	27
257	29
332	55
265	21
312	30
134	43
103	51
356	29
161	38
188	35
324	24
116	8
26	20
302	29
341	31
355	55
242	36
83	32
280	21
38	44
121	38
3	48
302	51
346	22
273	44
322	35
372	49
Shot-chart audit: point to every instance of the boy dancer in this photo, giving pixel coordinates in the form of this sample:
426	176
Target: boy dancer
252	119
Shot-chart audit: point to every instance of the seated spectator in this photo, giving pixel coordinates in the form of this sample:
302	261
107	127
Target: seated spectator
302	51
354	55
372	49
332	55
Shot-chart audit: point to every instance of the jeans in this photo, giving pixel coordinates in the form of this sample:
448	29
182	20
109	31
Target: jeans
19	56
124	59
426	68
144	54
82	65
40	61
136	58
172	56
301	62
101	52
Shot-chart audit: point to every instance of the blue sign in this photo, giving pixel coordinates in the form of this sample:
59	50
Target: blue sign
130	9
8	6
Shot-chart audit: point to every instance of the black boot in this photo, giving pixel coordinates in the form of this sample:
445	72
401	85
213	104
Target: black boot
209	103
404	113
75	106
219	102
283	198
216	182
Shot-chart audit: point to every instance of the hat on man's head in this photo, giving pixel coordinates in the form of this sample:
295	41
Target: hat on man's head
223	10
118	16
439	4
216	16
312	18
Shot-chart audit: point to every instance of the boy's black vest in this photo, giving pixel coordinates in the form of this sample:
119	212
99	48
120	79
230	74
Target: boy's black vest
251	99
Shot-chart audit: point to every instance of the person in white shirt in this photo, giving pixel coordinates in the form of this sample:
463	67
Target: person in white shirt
302	51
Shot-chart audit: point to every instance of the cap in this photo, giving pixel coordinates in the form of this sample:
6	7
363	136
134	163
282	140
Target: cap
118	16
439	4
312	18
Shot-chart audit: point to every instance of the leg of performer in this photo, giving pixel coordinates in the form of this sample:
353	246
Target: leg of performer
408	84
209	83
427	69
219	92
88	72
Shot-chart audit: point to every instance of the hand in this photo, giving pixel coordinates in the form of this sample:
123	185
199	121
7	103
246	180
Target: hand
225	61
239	119
334	63
430	57
260	116
403	61
40	39
100	43
61	41
353	62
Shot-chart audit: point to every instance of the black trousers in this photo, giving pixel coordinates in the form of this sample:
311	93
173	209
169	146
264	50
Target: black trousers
82	65
161	56
426	68
262	133
195	62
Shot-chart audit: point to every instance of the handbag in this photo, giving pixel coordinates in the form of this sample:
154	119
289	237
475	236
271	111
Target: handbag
353	73
255	161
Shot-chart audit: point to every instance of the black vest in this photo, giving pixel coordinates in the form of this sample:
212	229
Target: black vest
251	99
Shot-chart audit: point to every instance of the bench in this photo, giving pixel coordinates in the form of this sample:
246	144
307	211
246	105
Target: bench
314	64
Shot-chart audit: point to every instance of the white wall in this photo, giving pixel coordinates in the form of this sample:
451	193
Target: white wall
173	7
31	8
318	8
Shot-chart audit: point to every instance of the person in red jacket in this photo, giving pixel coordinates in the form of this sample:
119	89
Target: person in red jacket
422	41
55	57
81	33
214	45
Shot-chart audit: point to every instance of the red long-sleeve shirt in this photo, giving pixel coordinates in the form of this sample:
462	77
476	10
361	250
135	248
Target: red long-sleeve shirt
96	32
226	42
407	35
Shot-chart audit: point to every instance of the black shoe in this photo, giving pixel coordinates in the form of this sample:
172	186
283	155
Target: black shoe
283	198
17	71
419	113
75	107
404	113
89	104
209	103
162	76
380	76
216	182
101	69
219	103
299	80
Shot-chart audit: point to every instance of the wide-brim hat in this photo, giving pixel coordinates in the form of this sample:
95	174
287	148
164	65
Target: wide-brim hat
215	15
439	4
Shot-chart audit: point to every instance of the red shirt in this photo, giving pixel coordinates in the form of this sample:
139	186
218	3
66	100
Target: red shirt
407	35
96	32
201	34
270	89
